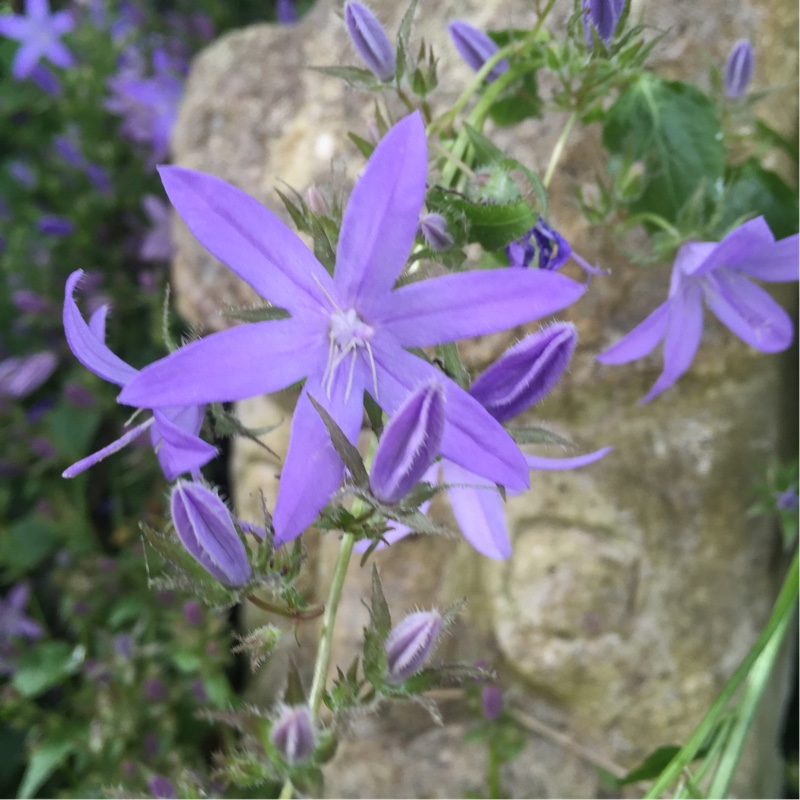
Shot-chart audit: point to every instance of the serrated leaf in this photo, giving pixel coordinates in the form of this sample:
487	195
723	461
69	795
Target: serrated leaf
297	213
534	435
674	129
379	608
404	31
520	102
346	450
259	314
353	76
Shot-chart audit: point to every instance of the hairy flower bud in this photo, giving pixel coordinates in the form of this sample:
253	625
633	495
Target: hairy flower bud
437	234
603	16
410	643
491	701
205	528
370	40
476	48
526	372
409	444
293	734
739	69
316	202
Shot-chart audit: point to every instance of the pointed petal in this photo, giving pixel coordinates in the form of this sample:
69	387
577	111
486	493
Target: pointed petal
62	22
381	218
741	245
25	60
472	437
37	9
97	323
313	470
114	447
88	348
556	464
777	262
14	27
59	55
473	304
641	340
249	360
249	238
684	329
178	449
749	311
479	511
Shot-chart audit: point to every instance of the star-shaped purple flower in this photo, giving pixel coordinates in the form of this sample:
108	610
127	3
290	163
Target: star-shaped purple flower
40	34
347	333
718	273
173	430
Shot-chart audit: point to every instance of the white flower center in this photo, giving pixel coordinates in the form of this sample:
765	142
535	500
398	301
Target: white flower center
347	333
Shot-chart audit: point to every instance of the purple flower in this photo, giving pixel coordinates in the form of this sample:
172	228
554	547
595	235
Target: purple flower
154	690
409	444
162	787
348	333
476	48
717	272
545	248
22	173
410	643
30	302
40	34
52	225
739	69
603	16
19	376
13	622
174	430
786	500
204	526
157	244
286	12
491	701
193	613
293	734
370	40
434	228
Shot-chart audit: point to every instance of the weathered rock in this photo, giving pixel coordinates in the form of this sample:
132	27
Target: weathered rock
636	585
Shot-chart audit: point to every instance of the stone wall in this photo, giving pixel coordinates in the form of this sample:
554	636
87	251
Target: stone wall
636	585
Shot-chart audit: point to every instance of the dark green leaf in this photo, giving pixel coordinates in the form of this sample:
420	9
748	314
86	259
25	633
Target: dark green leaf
451	361
26	543
347	451
379	608
298	213
44	666
46	758
520	102
674	129
374	414
652	766
363	145
72	428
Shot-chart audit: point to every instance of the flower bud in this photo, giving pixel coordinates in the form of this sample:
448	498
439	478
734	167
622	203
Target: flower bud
409	444
206	530
21	376
161	787
491	701
541	247
410	643
739	69
434	228
316	202
370	40
603	16
52	225
293	734
475	47
526	372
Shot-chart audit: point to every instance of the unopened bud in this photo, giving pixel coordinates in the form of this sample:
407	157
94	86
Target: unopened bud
526	372
410	643
476	48
19	376
603	16
491	701
409	444
293	734
437	234
541	247
316	202
739	69
205	528
370	40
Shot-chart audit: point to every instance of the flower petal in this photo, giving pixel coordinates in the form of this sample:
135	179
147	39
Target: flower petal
684	329
87	346
245	361
177	446
741	245
14	27
313	470
775	263
25	60
472	437
556	464
249	238
749	311
59	55
641	340
473	304
479	511
381	218
114	447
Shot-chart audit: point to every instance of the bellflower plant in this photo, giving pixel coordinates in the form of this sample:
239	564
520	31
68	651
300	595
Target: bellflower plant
717	273
739	69
39	33
602	16
347	333
476	48
409	644
173	430
370	39
544	247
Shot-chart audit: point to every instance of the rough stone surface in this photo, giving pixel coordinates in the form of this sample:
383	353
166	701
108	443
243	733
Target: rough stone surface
636	585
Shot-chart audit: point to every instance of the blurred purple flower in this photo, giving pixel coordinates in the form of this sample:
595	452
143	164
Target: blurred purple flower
162	787
286	12
123	645
79	395
603	16
46	80
370	39
739	69
39	33
53	225
203	25
193	613
21	375
154	690
293	734
174	430
30	302
491	701
409	644
13	622
22	173
476	48
786	500
157	243
718	273
42	448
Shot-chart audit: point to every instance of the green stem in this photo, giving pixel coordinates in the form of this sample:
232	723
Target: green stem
328	621
493	773
559	149
777	623
542	17
287	791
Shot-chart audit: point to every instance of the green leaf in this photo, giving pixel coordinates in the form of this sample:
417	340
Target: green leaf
751	190
534	435
45	666
379	608
259	314
363	145
451	362
347	451
71	429
652	766
674	129
126	610
353	76
520	102
26	543
46	758
769	135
